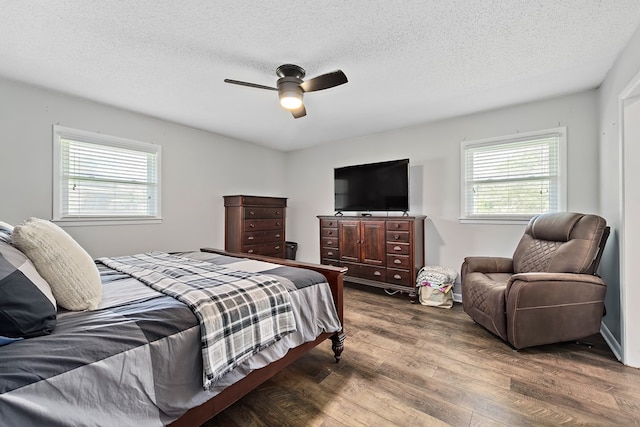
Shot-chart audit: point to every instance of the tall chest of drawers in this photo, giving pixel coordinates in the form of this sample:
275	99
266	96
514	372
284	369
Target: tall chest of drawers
255	225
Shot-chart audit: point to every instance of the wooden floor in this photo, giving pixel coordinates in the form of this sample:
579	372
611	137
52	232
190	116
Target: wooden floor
411	365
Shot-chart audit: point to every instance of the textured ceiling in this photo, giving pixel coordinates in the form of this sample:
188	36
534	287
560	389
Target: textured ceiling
407	62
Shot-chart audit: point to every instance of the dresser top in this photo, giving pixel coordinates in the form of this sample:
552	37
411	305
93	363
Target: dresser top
374	217
245	200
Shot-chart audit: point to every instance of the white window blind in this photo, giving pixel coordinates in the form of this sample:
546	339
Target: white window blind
99	177
514	177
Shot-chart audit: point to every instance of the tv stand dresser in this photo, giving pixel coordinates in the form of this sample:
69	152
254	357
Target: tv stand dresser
380	251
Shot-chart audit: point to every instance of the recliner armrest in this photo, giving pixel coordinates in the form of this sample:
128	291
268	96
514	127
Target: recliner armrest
483	264
543	308
547	283
557	277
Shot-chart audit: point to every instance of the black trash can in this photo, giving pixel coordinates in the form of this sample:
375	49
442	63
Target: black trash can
292	248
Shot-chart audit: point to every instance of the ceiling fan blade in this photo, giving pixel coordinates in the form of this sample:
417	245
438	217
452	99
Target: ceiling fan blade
257	86
324	81
299	112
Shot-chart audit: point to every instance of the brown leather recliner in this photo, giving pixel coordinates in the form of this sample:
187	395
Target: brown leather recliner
549	291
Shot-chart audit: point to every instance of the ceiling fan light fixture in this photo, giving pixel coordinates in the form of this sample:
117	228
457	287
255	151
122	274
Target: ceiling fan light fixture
290	93
291	100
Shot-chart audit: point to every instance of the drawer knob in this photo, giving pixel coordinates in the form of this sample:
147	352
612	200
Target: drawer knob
397	261
329	243
277	223
397	248
330	224
252	226
277	235
278	213
252	213
250	251
396	236
377	273
250	238
396	225
329	253
397	276
330	232
277	247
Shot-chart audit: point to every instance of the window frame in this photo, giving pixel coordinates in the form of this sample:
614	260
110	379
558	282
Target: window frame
560	132
62	132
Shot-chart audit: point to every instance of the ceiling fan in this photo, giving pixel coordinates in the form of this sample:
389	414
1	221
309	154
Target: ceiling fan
290	86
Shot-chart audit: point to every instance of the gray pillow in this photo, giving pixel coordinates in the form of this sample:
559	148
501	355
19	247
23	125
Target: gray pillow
27	306
62	262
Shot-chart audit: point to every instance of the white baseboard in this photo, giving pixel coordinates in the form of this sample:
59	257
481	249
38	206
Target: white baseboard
614	345
457	297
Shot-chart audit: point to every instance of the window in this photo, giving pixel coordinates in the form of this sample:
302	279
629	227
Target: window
514	177
100	178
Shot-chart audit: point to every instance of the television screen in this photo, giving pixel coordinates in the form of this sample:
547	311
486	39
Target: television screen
380	186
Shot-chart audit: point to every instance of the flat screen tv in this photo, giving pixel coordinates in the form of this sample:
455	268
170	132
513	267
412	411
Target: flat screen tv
380	186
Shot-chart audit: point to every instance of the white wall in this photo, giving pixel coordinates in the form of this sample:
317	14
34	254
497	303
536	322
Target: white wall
626	67
198	168
434	152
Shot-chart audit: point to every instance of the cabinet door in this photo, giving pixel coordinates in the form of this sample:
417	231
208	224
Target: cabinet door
372	242
349	240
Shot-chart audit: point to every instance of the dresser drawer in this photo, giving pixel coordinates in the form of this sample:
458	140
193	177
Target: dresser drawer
328	223
260	201
330	253
263	224
398	225
400	277
255	237
398	248
276	253
331	262
329	232
398	261
398	236
366	271
330	242
269	249
255	212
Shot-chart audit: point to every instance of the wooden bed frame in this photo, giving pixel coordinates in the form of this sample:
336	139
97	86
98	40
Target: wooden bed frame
335	276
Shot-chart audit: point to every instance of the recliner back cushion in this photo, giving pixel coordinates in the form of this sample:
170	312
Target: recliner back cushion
562	242
555	227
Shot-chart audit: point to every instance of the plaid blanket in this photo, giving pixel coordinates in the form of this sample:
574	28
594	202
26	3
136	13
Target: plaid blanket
240	313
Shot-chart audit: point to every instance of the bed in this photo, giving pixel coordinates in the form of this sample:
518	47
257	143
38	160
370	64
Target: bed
137	359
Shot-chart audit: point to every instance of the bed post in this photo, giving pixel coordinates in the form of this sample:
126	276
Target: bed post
337	344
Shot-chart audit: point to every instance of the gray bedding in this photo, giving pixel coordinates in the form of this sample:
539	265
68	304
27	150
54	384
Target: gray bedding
137	359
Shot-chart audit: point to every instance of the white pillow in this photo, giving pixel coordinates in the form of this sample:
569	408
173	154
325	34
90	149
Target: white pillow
62	262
